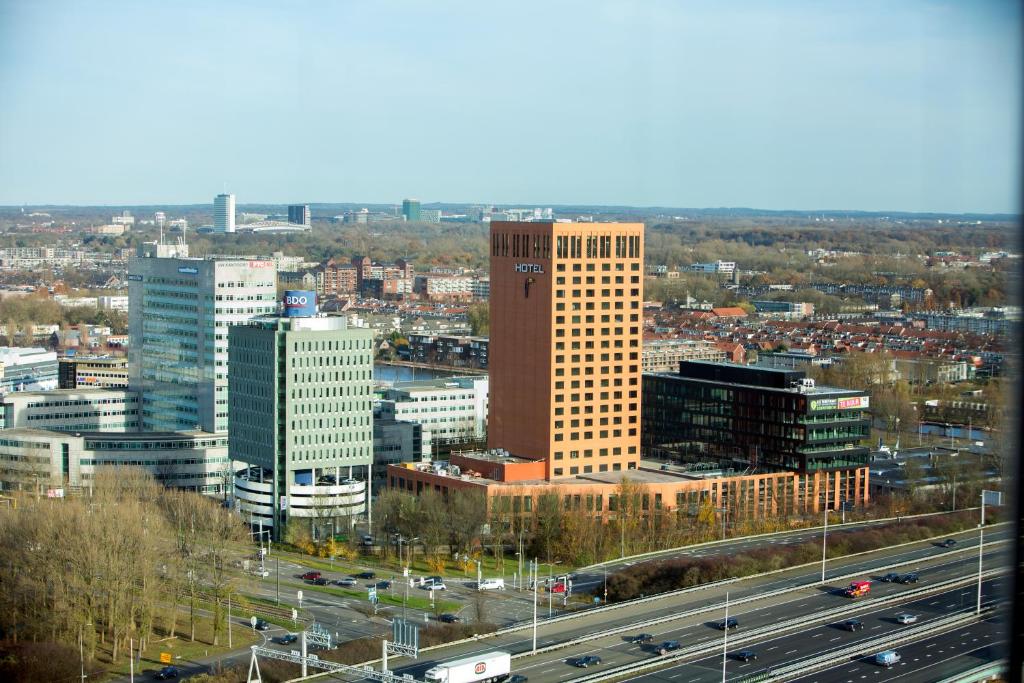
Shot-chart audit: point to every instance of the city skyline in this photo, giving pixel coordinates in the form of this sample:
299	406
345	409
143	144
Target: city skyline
806	107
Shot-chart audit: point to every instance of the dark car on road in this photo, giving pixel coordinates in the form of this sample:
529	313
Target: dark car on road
309	576
853	625
948	543
907	578
668	646
729	623
744	655
588	660
262	625
641	638
287	639
366	575
318	581
449	619
167	672
517	678
383	585
891	577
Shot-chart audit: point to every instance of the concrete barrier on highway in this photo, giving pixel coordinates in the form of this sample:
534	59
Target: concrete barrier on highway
986	672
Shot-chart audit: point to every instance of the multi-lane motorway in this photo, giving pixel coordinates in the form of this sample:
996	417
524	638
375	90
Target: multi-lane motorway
822	636
682	623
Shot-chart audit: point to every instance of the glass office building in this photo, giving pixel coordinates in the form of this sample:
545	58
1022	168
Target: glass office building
179	314
752	417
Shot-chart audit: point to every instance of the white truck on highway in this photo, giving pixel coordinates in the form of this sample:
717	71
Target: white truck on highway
489	666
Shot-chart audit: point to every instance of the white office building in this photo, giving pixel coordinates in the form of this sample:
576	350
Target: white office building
179	314
224	213
449	409
27	369
72	410
54	463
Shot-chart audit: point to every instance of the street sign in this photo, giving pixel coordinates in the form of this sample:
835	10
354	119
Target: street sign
252	621
298	594
295	614
165	657
371	593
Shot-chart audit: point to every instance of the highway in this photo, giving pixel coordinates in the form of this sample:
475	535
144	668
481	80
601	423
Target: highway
933	565
929	659
823	636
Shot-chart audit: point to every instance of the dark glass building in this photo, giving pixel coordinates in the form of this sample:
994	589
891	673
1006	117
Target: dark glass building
752	417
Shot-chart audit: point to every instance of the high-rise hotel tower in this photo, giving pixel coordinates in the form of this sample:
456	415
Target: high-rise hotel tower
565	344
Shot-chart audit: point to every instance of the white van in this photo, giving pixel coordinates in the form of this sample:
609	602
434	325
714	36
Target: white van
491	584
887	658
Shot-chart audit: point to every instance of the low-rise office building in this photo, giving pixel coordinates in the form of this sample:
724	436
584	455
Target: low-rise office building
73	410
498	475
46	460
763	418
27	369
449	409
78	372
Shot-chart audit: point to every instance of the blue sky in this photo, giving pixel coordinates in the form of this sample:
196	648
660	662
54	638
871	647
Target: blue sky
911	105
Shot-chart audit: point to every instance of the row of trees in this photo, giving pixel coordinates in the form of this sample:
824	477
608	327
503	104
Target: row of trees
114	565
549	526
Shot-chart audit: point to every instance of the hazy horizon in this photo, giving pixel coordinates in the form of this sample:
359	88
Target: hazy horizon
870	106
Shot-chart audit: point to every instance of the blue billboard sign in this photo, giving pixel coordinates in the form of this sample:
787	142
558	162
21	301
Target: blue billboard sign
299	303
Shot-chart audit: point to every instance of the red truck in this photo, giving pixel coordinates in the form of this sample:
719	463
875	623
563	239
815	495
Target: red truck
857	589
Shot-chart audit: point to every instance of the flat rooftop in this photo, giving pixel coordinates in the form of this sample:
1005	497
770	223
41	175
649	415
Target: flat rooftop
816	390
649	472
68	392
494	456
112	436
434	384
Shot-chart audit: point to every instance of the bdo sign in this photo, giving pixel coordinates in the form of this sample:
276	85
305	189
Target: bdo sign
299	303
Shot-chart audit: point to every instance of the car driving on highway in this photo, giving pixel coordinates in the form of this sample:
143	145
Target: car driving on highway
668	646
729	623
641	638
906	618
744	655
585	661
890	577
853	625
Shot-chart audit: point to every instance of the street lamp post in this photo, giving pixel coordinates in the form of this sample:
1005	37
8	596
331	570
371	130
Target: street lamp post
534	573
824	535
981	539
725	637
